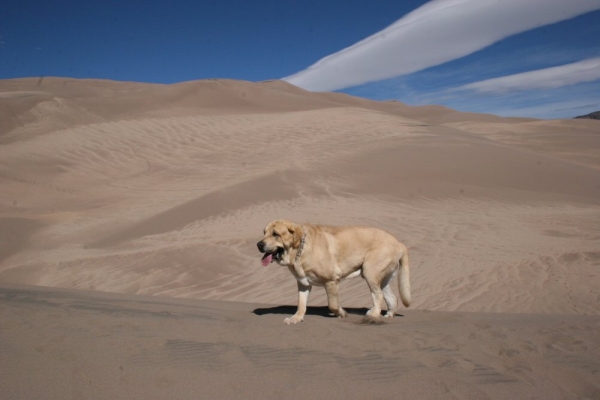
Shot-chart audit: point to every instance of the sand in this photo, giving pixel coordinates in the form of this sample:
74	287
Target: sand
129	215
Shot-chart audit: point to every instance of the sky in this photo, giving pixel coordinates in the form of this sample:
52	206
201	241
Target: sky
534	58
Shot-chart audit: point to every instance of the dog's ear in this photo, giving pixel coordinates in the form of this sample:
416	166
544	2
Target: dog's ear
296	232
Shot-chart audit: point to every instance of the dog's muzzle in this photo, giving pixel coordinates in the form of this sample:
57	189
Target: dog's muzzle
270	255
261	246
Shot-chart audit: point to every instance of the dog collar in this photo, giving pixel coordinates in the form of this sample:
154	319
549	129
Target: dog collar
300	248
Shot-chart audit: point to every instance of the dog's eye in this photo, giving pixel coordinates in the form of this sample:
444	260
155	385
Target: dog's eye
275	234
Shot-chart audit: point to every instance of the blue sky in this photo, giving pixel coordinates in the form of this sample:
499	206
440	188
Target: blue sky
537	58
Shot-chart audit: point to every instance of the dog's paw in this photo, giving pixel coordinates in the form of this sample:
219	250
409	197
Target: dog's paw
342	313
389	315
374	314
293	320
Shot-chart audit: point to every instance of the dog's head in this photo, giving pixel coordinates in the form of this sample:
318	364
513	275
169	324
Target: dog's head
280	236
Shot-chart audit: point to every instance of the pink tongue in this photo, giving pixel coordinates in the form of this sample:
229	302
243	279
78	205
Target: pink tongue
267	259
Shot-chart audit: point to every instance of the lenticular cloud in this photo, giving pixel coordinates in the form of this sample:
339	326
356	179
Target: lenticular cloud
437	32
547	78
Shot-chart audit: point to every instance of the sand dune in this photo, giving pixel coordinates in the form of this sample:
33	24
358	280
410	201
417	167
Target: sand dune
164	190
106	346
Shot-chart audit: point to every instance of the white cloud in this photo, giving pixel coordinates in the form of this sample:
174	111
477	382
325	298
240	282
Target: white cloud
547	78
437	32
560	109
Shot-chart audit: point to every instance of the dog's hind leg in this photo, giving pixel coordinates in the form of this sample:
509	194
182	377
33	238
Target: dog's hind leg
377	295
389	296
332	289
375	286
378	279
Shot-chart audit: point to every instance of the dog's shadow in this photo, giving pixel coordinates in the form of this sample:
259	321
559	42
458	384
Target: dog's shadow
322	311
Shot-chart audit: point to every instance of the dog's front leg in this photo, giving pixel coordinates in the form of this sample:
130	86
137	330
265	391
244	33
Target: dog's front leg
303	292
332	289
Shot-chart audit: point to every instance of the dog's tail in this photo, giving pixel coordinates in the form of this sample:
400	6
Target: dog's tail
404	279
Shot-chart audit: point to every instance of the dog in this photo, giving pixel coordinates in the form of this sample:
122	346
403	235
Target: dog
320	255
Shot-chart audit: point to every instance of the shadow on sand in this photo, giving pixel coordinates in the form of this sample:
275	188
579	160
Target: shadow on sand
323	311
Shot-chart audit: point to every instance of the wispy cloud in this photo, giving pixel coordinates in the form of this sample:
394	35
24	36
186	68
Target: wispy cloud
547	78
437	32
565	101
555	110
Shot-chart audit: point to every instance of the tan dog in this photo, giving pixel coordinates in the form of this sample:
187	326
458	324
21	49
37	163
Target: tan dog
324	255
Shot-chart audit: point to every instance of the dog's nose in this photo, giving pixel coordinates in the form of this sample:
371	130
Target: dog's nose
261	246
